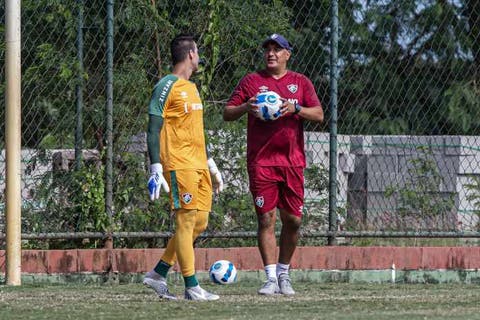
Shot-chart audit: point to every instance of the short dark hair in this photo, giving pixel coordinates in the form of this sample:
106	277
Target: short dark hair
181	46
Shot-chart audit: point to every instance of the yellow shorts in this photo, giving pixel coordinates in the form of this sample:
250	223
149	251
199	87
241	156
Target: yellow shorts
190	189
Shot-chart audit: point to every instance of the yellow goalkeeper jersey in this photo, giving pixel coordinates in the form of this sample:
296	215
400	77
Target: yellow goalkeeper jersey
182	137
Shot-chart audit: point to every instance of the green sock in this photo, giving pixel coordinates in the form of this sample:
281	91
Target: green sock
190	281
162	268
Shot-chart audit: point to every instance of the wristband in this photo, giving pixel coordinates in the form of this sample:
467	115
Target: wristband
156	168
297	108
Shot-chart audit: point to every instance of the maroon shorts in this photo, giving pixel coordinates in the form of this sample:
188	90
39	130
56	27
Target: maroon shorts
277	187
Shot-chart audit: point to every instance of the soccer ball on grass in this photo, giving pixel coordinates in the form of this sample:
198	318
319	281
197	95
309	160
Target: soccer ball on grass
269	104
223	272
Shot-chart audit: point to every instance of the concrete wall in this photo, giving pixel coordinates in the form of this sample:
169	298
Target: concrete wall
367	167
248	258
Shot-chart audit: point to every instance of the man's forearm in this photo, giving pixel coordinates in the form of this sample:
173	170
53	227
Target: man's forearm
312	114
155	124
231	113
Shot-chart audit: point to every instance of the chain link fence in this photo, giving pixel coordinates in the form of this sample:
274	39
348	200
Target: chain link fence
408	103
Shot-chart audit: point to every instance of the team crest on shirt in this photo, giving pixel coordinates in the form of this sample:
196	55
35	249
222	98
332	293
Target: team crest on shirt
184	95
187	198
292	88
259	201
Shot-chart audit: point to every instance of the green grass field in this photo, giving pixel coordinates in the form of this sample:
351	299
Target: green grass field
240	301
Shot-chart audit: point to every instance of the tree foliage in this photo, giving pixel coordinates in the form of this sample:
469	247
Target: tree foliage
409	67
406	67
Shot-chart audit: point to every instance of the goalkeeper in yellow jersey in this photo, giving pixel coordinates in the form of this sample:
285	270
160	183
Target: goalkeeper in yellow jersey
179	165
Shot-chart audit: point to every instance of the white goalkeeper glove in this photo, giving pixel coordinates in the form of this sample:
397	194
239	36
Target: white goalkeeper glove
156	181
217	176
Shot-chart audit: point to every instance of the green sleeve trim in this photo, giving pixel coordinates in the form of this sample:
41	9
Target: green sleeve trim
160	94
155	124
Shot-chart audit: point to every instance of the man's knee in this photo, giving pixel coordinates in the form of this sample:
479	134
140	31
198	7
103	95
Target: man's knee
290	221
294	225
200	227
185	219
201	222
266	220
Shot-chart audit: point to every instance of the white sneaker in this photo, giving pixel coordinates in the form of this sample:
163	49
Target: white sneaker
269	287
285	284
160	286
197	293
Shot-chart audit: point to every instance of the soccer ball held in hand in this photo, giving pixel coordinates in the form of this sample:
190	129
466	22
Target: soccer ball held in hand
269	104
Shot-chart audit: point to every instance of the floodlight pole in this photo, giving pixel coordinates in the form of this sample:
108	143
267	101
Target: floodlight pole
13	142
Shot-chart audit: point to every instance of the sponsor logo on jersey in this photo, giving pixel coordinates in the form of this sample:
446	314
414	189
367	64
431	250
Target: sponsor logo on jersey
193	107
292	88
259	201
187	197
165	89
292	101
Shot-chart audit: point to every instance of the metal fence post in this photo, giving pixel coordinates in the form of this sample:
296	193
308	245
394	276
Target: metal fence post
332	208
79	88
109	124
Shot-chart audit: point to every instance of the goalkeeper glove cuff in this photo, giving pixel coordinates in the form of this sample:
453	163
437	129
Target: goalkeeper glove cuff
212	166
156	181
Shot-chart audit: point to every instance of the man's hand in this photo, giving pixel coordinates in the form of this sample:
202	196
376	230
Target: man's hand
217	176
252	107
156	181
287	107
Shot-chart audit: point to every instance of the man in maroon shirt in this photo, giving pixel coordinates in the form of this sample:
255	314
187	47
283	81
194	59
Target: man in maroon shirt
276	156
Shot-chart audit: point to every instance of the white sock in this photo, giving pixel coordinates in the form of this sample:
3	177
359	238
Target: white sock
282	268
271	271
